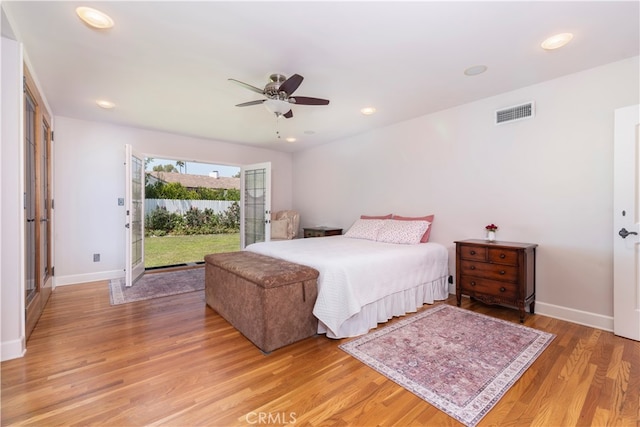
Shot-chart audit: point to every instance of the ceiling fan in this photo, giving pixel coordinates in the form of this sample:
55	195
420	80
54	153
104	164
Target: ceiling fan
279	93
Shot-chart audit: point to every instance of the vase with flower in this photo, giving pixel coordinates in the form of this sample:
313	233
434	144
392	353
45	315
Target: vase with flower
491	232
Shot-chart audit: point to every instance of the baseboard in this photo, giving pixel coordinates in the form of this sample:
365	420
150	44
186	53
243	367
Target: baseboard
75	279
572	315
12	349
580	317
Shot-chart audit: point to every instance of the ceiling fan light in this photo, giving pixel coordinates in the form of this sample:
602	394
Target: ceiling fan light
277	106
94	18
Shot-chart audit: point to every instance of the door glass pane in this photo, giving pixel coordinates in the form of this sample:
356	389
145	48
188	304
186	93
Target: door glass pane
255	205
30	198
137	199
44	204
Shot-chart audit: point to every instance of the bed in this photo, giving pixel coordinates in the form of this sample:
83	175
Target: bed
364	282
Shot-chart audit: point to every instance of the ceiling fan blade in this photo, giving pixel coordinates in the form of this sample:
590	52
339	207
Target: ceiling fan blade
288	114
246	104
247	86
291	84
305	100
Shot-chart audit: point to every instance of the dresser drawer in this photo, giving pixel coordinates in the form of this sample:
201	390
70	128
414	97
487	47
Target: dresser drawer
505	290
473	252
503	256
489	271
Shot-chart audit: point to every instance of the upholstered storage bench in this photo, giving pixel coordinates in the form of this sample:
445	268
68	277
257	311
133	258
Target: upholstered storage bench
269	300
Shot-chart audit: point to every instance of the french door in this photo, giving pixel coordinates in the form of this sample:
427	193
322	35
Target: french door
626	223
255	202
134	222
37	204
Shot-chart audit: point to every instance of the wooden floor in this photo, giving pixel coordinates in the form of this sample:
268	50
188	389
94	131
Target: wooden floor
173	361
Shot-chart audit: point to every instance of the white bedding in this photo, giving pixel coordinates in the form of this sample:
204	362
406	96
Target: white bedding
359	277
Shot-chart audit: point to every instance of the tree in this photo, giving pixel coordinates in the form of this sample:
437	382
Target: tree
181	165
175	190
147	162
210	193
153	191
165	168
232	194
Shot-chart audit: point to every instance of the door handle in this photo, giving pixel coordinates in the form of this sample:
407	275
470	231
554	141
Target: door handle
624	233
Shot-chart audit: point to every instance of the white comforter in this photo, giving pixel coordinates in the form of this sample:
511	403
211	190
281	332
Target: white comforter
357	272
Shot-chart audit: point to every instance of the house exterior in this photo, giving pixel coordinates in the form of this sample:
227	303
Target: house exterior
547	180
191	182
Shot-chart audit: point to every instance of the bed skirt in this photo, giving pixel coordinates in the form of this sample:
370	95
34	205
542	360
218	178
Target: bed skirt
397	304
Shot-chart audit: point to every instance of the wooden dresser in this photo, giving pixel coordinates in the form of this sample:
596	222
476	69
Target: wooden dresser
321	231
497	273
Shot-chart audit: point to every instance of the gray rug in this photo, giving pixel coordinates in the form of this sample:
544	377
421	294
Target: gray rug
156	285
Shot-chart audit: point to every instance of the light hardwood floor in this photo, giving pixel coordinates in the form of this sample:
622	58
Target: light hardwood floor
174	361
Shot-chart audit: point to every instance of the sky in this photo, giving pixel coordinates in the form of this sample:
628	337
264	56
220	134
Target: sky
195	168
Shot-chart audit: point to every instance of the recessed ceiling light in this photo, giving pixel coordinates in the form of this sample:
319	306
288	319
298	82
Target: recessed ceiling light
291	139
94	18
367	111
475	70
554	42
107	105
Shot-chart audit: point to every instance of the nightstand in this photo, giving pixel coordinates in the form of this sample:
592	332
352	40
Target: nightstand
497	273
321	231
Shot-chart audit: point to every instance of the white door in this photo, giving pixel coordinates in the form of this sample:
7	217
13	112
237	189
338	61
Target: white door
134	225
255	203
626	210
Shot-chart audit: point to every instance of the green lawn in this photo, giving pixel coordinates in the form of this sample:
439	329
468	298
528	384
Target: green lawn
170	250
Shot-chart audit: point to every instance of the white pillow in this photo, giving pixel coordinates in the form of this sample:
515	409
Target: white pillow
403	232
280	229
365	229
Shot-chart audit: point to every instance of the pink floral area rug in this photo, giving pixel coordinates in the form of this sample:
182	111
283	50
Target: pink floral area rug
459	361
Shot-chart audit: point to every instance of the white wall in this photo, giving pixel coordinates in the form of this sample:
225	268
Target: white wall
546	180
11	214
89	179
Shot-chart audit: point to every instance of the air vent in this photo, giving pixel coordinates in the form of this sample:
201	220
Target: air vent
517	112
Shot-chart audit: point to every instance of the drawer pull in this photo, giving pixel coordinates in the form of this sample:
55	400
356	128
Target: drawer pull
473	283
502	272
502	289
473	267
503	256
472	252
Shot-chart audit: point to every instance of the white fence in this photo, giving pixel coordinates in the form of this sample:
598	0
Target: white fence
182	206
